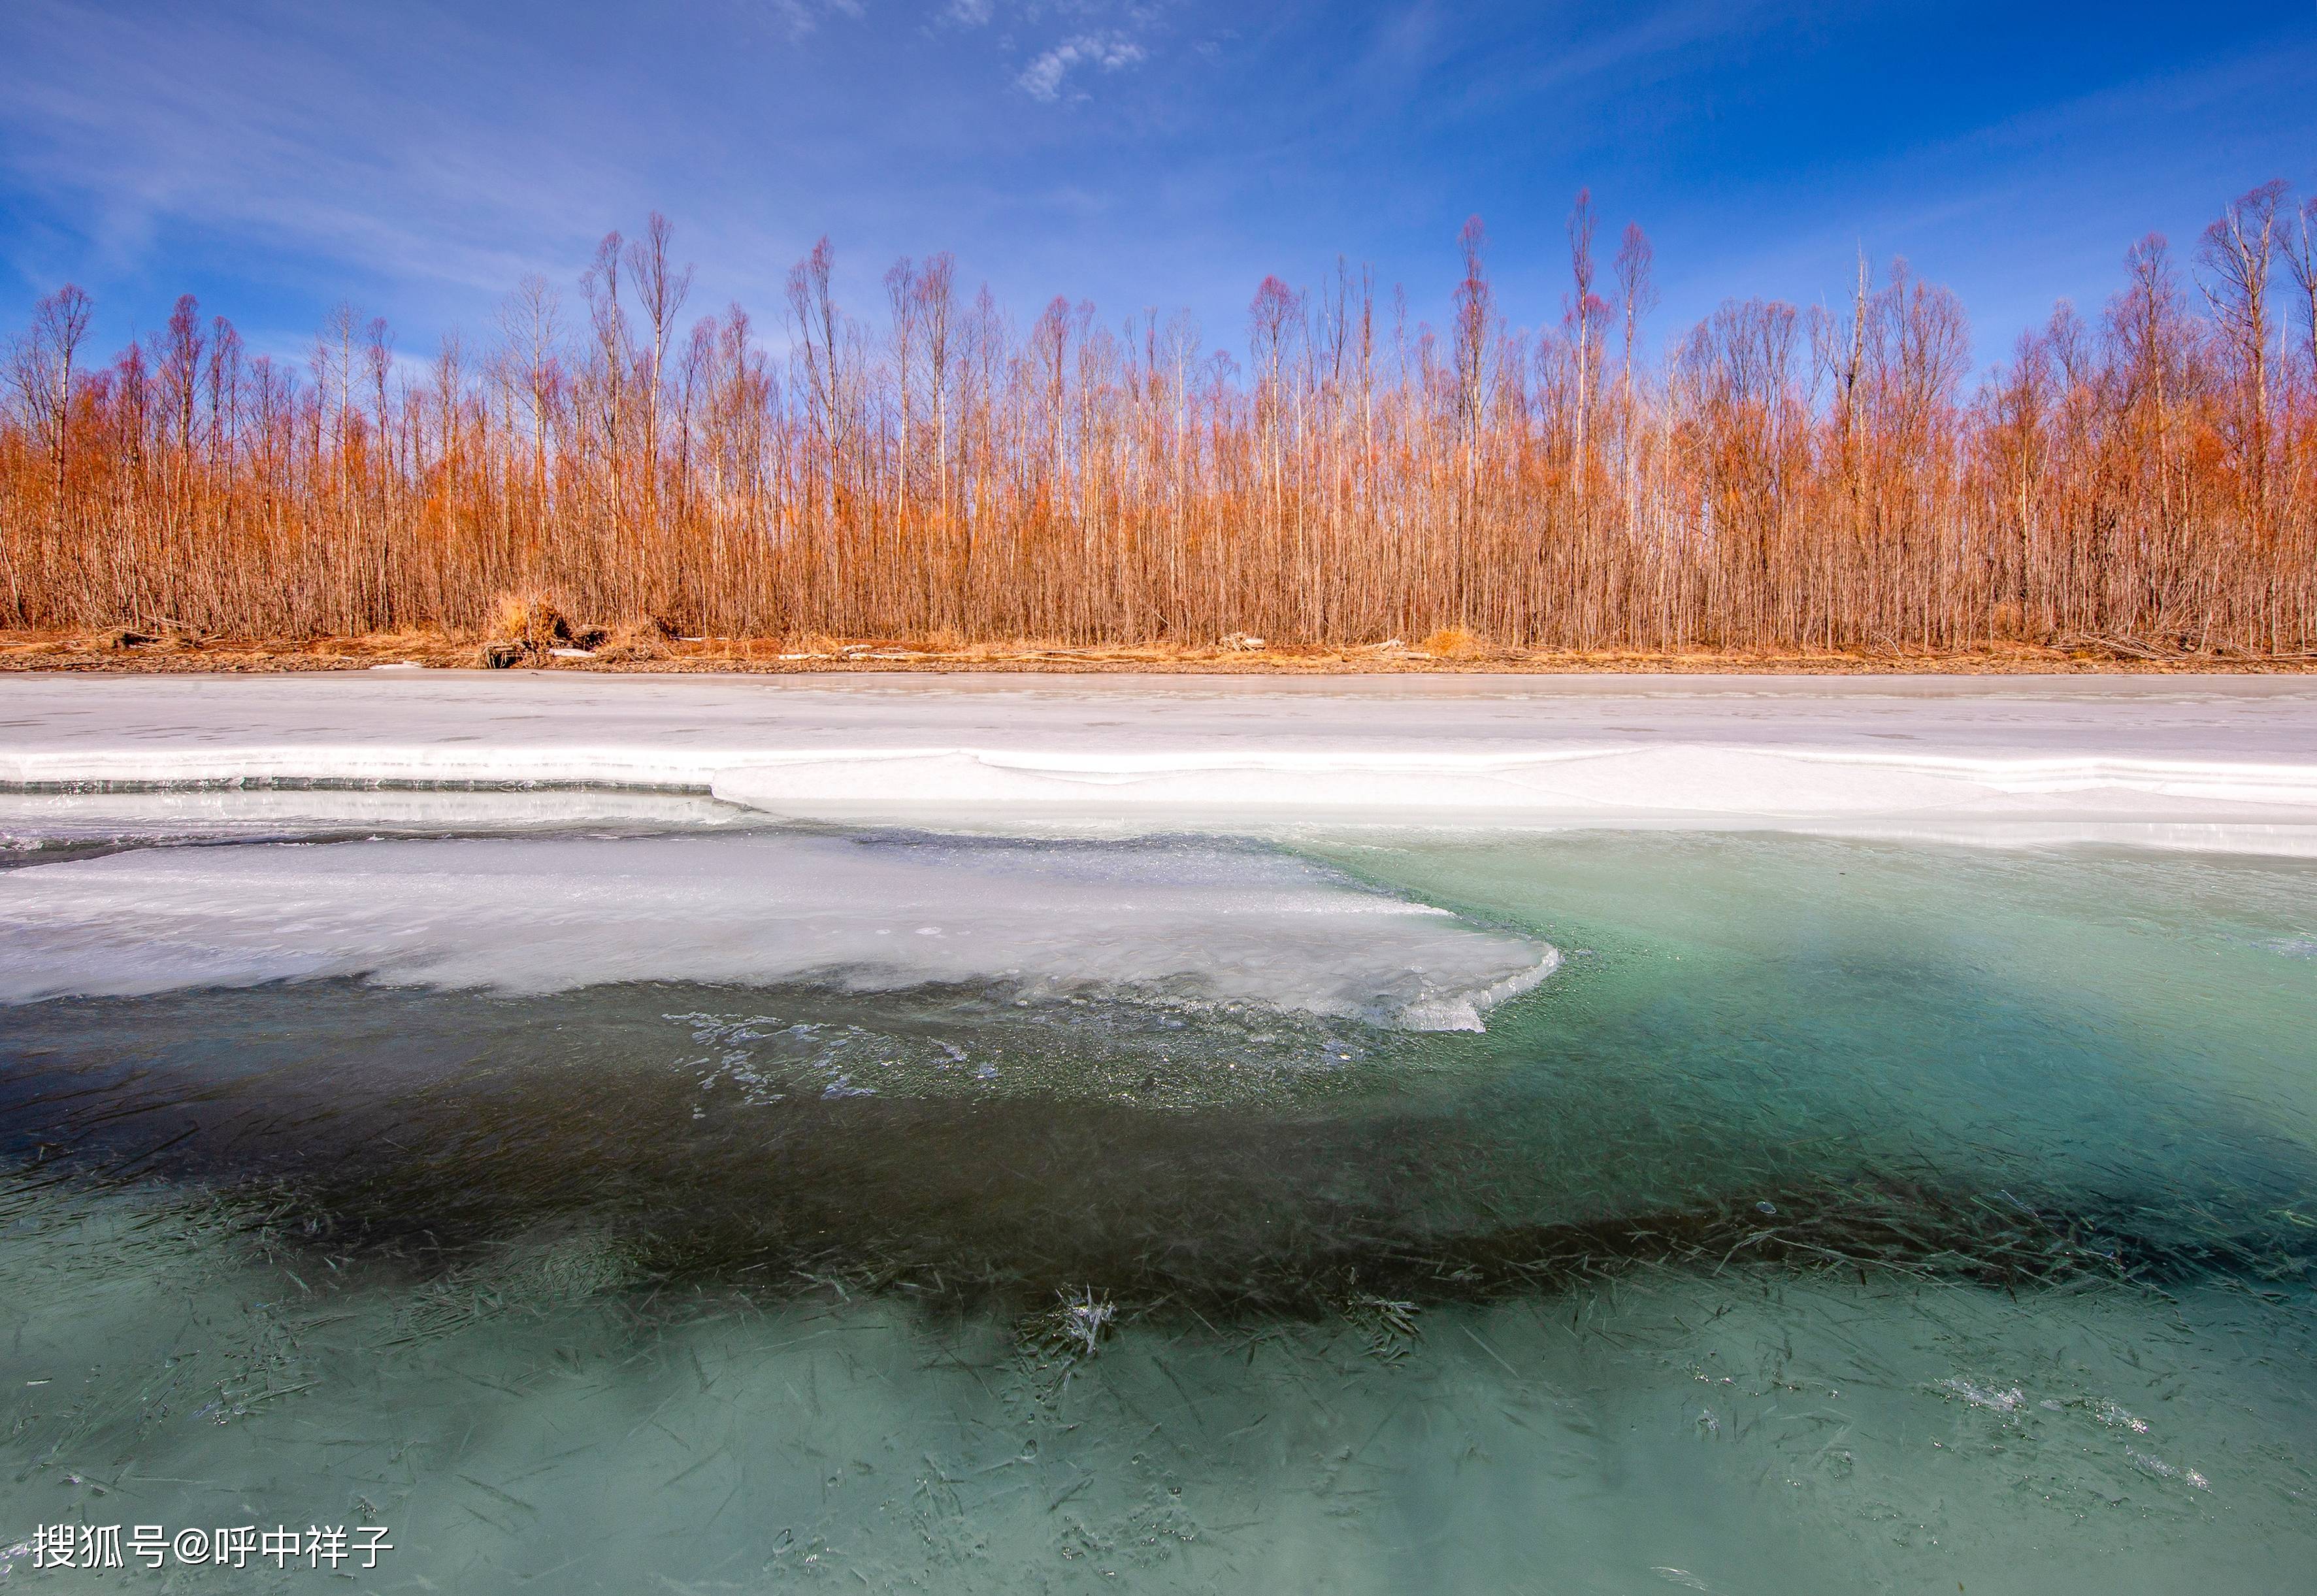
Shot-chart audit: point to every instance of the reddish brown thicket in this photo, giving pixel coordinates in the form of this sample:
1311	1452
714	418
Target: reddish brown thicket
1785	478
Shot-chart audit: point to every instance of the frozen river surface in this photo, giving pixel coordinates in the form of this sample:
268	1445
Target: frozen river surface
1015	1134
2051	752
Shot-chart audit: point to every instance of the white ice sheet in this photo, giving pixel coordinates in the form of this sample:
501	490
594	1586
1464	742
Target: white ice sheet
1180	921
2233	760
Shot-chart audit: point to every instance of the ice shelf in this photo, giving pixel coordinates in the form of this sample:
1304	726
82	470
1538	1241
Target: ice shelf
2193	760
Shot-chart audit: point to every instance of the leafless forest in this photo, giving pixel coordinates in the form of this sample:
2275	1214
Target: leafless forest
1779	478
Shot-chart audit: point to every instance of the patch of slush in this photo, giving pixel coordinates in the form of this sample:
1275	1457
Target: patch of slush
1195	923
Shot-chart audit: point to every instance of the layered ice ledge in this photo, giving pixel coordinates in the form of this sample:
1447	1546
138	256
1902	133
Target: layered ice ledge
2165	758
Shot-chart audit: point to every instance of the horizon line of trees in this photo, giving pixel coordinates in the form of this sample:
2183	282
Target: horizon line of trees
1782	477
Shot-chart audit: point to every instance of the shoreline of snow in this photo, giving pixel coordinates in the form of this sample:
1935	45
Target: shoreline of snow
2236	765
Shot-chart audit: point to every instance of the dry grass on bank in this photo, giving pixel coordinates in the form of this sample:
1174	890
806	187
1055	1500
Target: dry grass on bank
550	642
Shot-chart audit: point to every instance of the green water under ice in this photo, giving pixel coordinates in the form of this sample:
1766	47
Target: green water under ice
1840	1217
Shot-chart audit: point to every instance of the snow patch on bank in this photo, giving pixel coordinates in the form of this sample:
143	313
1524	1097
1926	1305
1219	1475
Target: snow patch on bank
1573	783
2093	758
2245	807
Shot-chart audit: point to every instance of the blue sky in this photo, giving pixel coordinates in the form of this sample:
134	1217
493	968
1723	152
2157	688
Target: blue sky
418	159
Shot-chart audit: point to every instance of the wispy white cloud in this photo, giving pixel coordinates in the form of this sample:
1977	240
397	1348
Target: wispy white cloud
1049	74
233	127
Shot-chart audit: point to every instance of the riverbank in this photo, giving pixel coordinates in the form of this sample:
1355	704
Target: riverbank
163	651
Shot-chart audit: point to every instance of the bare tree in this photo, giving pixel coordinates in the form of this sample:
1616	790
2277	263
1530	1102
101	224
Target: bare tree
901	305
333	364
1475	320
2148	321
2299	245
531	322
178	357
935	309
2238	253
1274	317
812	306
224	386
661	290
1637	290
614	359
43	370
1585	306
